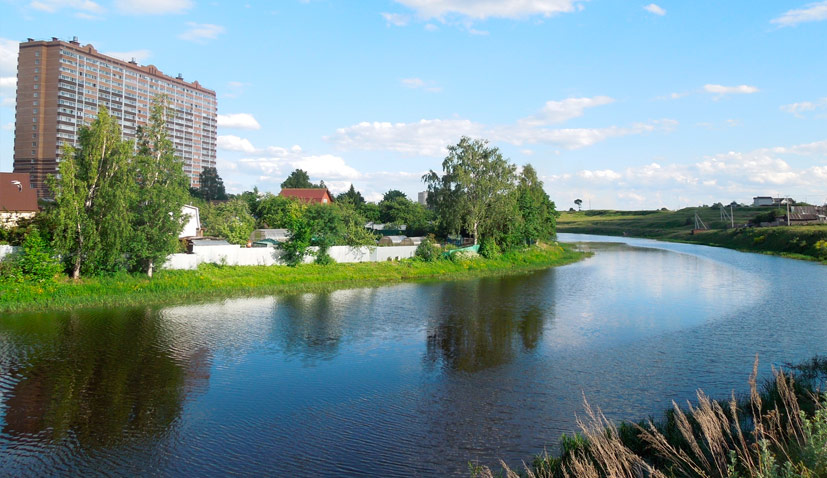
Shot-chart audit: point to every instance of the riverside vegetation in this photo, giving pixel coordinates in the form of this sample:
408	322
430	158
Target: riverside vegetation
778	431
212	281
800	242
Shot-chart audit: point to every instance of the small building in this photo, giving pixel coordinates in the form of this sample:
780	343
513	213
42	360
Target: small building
275	235
386	229
762	201
308	195
394	241
192	222
18	200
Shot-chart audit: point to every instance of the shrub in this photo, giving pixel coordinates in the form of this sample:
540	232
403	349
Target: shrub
427	251
489	249
35	263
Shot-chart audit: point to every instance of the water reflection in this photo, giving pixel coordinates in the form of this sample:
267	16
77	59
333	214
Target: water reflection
101	380
476	325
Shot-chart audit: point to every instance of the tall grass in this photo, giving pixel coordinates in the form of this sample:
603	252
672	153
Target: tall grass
780	432
216	281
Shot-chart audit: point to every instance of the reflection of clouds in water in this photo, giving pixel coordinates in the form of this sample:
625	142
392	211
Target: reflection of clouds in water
625	292
231	326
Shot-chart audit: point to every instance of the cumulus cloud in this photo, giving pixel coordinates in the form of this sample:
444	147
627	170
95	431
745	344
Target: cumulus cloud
812	12
238	121
153	7
655	9
276	163
726	90
234	143
52	6
423	138
141	56
201	32
8	57
560	111
482	9
8	81
799	108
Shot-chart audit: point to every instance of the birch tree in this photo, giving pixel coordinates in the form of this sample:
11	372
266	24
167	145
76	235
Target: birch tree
92	192
474	189
161	191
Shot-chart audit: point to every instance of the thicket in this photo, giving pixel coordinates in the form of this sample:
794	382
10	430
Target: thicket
779	431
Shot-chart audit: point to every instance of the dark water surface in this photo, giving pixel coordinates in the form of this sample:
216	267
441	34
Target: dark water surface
399	380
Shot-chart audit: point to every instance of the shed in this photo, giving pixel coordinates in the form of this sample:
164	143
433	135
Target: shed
415	241
393	241
18	200
277	235
192	221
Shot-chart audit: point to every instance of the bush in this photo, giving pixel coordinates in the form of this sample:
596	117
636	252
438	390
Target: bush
427	251
489	249
35	263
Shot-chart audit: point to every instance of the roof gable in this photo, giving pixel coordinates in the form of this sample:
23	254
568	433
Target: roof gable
16	193
320	195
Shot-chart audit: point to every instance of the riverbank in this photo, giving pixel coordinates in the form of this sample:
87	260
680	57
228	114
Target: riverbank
213	281
798	242
778	430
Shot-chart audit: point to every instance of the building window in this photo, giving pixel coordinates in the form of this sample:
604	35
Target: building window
36	86
35	95
37	53
36	61
37	70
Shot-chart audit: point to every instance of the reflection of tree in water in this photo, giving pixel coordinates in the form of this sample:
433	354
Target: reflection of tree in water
312	325
102	379
485	323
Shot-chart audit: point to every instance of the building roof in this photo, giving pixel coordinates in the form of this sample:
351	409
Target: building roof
16	193
307	194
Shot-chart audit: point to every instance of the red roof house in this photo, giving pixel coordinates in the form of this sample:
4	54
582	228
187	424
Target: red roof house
17	198
309	195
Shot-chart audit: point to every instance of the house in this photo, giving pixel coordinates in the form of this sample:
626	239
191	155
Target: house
18	200
803	215
192	222
308	195
761	201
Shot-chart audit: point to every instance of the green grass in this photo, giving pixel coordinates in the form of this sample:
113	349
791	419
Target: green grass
212	281
797	242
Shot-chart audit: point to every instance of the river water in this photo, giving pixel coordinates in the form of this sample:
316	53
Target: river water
407	379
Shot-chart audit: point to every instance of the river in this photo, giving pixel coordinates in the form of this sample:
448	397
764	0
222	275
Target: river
407	379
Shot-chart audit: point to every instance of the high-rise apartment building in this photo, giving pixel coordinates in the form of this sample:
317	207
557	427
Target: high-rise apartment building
61	85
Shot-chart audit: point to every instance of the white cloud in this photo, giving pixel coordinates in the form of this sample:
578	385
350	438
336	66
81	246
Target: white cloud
422	138
238	121
8	126
201	32
8	57
725	90
234	143
153	7
418	83
276	163
140	56
52	6
804	106
8	82
482	9
395	19
560	111
812	12
653	8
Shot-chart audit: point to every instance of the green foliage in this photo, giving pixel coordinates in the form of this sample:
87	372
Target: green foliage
537	211
427	250
211	186
231	220
35	263
370	211
92	191
393	194
299	179
821	249
275	211
474	191
400	210
489	248
161	191
352	196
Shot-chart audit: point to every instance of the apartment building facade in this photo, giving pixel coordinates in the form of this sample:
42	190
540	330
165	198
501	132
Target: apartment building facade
61	85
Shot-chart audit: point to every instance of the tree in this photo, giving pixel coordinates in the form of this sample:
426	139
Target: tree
401	210
274	211
161	191
298	179
352	196
370	211
473	190
92	192
211	186
231	220
538	213
394	194
578	203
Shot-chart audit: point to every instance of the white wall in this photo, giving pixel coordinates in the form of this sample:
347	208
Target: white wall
233	255
192	221
7	251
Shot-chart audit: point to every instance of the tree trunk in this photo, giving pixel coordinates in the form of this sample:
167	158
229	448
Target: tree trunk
149	269
76	268
475	233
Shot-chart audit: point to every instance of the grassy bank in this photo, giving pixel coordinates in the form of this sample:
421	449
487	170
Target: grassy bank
798	242
777	431
212	281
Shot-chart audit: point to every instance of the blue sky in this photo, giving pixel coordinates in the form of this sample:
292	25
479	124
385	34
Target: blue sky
622	104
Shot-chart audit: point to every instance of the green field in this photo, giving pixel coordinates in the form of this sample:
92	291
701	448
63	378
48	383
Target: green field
798	241
211	282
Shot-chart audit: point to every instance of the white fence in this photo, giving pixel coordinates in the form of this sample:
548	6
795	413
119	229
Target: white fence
6	251
232	255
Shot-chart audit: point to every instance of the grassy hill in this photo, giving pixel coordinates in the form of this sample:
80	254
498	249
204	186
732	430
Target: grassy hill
798	241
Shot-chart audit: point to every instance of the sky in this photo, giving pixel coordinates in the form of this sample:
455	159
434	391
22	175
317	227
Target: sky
622	104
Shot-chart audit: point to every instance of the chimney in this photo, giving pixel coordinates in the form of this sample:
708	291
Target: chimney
54	39
75	40
180	77
132	61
